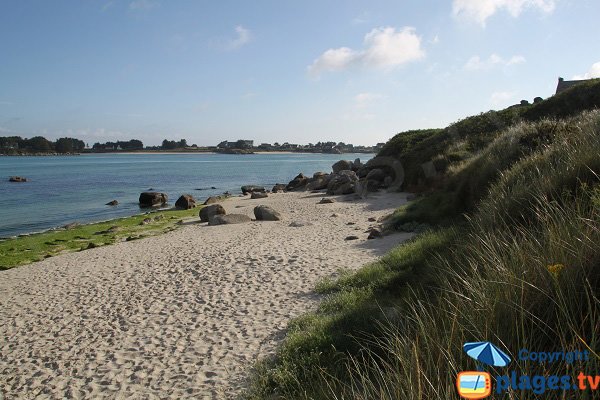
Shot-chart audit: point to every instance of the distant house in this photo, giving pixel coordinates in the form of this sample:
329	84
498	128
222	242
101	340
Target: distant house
240	144
564	85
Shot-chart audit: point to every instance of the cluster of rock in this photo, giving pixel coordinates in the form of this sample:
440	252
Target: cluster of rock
184	202
349	177
18	179
215	214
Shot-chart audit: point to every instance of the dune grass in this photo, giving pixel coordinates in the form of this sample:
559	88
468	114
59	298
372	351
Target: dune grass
36	247
521	268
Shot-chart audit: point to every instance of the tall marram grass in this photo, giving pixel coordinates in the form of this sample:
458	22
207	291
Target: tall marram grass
523	272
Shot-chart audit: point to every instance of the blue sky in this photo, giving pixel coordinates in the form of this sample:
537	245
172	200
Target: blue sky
352	71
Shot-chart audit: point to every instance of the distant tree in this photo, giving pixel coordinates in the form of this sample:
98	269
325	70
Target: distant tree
38	144
169	144
182	143
69	145
241	144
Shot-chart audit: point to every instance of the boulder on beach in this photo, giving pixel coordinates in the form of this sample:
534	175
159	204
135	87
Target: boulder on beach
151	199
279	187
342	165
266	213
259	195
298	183
185	202
252	188
326	201
212	200
112	203
229	219
342	182
318	183
18	179
210	211
376	174
357	165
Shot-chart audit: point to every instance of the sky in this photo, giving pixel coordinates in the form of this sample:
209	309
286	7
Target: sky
276	71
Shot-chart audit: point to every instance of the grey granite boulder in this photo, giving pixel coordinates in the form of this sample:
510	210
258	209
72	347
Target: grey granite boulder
151	199
266	213
298	183
258	195
252	188
342	165
279	187
210	211
229	219
185	202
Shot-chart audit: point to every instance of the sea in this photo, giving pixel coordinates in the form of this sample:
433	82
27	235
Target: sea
65	189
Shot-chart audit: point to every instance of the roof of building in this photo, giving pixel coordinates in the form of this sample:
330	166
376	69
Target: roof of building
564	85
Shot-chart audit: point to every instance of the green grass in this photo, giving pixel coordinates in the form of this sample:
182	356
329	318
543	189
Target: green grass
36	247
521	269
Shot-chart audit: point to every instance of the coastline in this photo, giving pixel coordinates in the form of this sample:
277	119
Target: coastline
186	313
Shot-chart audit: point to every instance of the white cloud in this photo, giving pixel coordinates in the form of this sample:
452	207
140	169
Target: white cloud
475	63
243	36
140	5
383	48
501	98
363	100
594	72
480	10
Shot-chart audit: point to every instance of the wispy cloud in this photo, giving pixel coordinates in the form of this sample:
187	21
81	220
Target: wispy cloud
384	48
243	37
501	98
480	10
363	18
141	5
594	72
475	63
364	100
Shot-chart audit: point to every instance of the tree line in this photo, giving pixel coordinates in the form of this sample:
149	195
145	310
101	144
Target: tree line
39	144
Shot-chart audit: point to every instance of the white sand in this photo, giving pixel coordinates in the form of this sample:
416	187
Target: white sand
182	315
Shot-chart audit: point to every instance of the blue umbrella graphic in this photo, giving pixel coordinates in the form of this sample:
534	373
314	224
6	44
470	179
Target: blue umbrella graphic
487	353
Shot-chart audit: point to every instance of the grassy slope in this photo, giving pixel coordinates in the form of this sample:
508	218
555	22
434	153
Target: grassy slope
526	253
36	247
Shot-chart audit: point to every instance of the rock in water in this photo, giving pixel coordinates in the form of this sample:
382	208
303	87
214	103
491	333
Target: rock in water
19	179
112	203
229	219
252	188
150	199
265	213
185	202
210	211
342	165
258	195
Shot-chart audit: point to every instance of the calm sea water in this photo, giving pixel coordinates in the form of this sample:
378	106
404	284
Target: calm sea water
61	190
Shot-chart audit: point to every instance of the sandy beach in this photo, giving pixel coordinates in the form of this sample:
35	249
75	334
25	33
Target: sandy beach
181	315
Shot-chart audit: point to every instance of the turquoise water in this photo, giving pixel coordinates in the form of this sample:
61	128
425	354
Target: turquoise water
62	190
